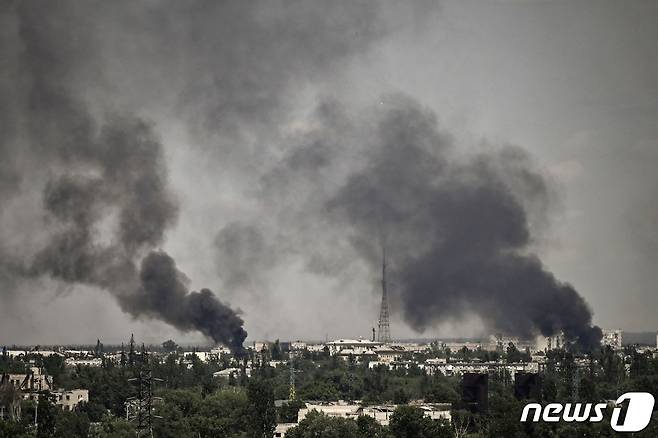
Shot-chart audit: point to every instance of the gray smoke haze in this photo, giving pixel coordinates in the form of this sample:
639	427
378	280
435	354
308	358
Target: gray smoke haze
249	142
457	227
457	232
106	195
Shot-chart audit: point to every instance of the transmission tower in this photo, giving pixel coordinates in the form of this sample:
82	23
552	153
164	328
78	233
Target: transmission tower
384	326
292	395
139	409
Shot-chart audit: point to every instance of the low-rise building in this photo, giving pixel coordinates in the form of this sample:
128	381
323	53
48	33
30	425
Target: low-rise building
459	368
35	380
381	413
356	345
228	372
297	346
72	362
70	400
612	338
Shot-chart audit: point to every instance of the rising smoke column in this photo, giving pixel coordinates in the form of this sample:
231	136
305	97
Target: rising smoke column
105	195
74	74
458	227
457	230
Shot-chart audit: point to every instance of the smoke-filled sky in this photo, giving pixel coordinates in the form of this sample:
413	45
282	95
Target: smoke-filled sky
173	169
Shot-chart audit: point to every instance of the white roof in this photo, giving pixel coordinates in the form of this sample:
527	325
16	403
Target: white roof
353	342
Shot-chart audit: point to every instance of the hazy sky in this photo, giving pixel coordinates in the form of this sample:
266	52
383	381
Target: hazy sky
232	92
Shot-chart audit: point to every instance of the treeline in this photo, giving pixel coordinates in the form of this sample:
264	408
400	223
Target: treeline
196	404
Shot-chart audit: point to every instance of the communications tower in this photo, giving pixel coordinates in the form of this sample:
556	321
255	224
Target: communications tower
384	326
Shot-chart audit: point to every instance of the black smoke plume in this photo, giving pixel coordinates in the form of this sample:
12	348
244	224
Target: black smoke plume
105	195
164	295
458	227
457	231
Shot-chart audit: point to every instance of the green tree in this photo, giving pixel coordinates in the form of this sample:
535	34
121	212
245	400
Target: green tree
113	427
71	425
411	422
400	397
261	411
513	354
318	425
169	346
46	417
11	429
287	413
276	351
369	428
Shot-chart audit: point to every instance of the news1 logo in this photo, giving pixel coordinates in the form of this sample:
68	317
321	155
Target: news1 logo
638	412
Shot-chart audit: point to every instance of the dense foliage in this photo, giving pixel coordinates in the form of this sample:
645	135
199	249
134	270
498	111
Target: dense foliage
195	404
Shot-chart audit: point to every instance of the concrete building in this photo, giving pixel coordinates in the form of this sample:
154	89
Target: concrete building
381	413
556	341
297	346
352	344
69	400
258	347
315	348
72	362
612	338
23	353
387	354
30	382
459	368
228	372
282	428
218	352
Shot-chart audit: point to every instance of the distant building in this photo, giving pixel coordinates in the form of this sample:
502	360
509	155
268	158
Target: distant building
282	429
356	345
69	400
612	338
228	372
381	413
460	368
33	384
30	382
218	352
501	342
71	362
203	356
387	354
315	348
23	353
260	346
556	342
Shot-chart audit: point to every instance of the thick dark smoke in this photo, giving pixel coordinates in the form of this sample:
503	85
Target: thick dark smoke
77	81
106	195
164	295
457	231
458	228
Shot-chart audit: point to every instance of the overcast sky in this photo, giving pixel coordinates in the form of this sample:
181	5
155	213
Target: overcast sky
232	91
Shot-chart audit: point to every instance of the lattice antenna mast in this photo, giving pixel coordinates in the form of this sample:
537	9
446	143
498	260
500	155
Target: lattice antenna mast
384	326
